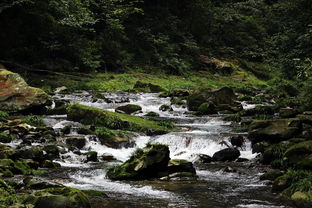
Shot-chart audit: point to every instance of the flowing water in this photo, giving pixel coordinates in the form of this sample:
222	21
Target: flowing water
197	135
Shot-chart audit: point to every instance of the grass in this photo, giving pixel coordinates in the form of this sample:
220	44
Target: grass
112	82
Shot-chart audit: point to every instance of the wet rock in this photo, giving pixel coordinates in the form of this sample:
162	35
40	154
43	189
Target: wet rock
207	108
16	95
180	176
63	197
179	165
108	157
228	154
50	164
152	114
287	112
259	110
5	138
91	156
52	152
30	152
38	183
61	90
66	130
76	142
85	131
237	141
272	175
202	158
229	169
273	130
221	96
165	107
281	183
240	159
144	163
128	109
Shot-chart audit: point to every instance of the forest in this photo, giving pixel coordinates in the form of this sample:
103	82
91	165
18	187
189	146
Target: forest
122	68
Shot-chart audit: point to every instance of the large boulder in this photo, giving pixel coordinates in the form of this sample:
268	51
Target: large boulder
16	95
224	95
300	155
228	154
145	163
273	130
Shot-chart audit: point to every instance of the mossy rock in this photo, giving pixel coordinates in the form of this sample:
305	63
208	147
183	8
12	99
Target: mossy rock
178	165
76	142
128	109
148	86
233	117
63	197
92	156
6	152
152	114
4	116
273	130
300	155
5	138
93	116
165	107
302	199
143	164
52	151
207	108
224	95
16	95
30	152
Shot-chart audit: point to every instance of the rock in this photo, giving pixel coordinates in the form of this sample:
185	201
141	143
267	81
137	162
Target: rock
110	139
240	159
300	155
66	130
91	156
273	130
219	66
6	152
61	198
229	169
108	157
97	117
152	114
201	158
180	176
30	152
237	141
228	154
78	142
61	90
302	199
128	109
38	183
281	183
287	112
165	108
5	138
50	164
52	152
150	87
274	154
221	96
272	175
259	110
259	147
16	95
143	164
178	165
207	108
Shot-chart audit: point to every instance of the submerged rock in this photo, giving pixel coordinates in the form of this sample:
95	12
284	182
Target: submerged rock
143	164
228	154
16	95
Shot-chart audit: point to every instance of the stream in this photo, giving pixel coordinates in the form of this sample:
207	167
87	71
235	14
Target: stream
215	186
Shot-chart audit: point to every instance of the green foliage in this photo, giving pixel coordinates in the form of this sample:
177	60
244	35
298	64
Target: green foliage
34	120
4	116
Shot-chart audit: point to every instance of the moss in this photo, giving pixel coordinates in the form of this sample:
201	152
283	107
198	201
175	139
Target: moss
34	120
88	115
152	114
234	117
207	108
4	116
95	193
